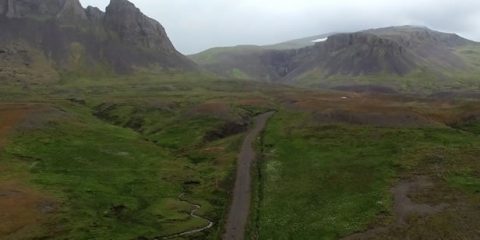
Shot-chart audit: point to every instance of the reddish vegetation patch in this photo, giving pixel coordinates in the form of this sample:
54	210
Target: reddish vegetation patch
213	108
221	158
22	209
380	110
214	150
256	102
10	115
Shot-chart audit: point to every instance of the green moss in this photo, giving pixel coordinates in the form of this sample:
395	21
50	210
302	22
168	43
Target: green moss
239	74
465	182
114	182
95	168
326	182
318	182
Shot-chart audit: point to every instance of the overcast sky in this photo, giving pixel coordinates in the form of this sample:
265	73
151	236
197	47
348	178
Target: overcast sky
196	25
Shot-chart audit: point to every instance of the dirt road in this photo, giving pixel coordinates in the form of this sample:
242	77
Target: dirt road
239	210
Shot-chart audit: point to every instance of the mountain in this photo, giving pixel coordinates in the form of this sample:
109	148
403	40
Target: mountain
243	62
249	61
299	43
404	58
42	39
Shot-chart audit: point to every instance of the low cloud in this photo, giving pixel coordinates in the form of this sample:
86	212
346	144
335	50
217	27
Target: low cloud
194	26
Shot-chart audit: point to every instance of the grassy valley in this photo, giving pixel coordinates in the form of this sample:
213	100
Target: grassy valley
108	132
128	162
118	156
321	180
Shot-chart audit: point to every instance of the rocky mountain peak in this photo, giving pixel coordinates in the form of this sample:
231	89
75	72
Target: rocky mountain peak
94	13
122	18
45	9
121	40
411	35
364	53
72	9
122	4
133	27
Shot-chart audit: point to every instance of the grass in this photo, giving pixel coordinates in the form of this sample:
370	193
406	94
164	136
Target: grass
120	154
127	148
211	56
326	182
421	81
330	183
95	168
470	126
466	182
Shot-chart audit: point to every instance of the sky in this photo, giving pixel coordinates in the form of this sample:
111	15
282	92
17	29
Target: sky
196	25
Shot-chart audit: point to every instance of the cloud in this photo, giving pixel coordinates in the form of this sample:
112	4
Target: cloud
197	25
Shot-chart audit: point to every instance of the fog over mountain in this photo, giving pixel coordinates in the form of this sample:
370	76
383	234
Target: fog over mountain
197	25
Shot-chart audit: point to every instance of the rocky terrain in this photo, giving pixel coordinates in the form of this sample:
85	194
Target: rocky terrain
107	132
394	53
58	36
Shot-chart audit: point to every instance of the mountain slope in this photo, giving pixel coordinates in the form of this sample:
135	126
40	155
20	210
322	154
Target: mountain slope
242	62
298	43
62	36
251	61
406	58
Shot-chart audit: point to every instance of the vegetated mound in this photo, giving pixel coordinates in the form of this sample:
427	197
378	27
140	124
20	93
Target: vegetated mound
241	62
62	36
374	109
366	89
398	57
378	119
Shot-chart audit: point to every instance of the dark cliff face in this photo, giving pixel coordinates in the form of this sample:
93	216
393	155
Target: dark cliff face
412	35
94	14
395	51
44	9
72	10
133	27
362	54
71	38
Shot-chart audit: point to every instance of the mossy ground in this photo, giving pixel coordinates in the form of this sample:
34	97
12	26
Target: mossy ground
115	153
327	181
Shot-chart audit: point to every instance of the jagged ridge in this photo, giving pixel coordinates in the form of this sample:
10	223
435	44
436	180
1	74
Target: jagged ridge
71	38
394	51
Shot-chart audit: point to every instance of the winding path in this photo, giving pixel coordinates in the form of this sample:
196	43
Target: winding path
240	208
193	214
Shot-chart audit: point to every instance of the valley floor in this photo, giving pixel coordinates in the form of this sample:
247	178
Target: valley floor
149	158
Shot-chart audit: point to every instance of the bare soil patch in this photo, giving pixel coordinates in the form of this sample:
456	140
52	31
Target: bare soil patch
212	108
22	210
10	116
404	207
